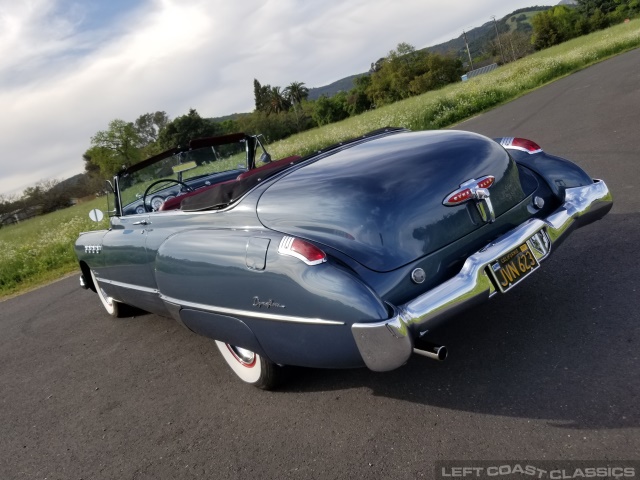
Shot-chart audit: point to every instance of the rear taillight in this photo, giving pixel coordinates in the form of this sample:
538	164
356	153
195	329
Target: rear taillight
458	197
486	182
468	190
521	144
303	250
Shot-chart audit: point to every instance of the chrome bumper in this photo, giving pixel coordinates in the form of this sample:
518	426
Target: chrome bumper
388	344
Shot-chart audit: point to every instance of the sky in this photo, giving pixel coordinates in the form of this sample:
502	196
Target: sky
69	67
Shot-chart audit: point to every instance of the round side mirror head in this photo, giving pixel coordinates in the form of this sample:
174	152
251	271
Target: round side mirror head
96	215
265	158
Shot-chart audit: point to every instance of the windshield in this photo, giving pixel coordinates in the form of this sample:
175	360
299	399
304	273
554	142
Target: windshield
182	171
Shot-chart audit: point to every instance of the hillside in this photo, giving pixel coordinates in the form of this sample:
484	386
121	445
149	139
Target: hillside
478	38
342	85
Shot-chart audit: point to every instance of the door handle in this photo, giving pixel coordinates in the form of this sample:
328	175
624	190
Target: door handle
142	222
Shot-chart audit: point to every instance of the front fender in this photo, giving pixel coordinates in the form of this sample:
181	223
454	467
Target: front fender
88	248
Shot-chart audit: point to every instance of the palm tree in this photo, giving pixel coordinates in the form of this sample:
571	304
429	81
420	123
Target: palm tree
295	93
277	101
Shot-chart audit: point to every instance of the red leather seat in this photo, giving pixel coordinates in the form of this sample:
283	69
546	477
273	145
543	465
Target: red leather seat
174	203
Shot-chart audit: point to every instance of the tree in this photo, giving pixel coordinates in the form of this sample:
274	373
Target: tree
273	127
625	9
181	130
589	7
115	147
329	110
554	26
261	95
149	125
406	72
295	93
357	99
46	194
277	102
7	203
518	43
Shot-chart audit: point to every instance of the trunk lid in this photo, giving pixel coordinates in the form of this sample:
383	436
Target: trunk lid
381	201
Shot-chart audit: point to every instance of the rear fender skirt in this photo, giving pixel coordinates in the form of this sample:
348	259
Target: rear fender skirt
221	327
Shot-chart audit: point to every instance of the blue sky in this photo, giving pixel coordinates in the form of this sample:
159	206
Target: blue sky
69	67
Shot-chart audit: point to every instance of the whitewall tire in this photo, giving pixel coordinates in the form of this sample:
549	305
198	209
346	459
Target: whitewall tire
113	308
250	367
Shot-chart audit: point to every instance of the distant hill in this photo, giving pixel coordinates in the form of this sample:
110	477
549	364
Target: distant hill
233	116
477	37
342	85
72	184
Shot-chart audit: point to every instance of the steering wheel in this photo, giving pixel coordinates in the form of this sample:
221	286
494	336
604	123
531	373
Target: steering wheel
164	180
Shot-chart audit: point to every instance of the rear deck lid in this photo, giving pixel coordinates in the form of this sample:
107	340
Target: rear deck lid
381	201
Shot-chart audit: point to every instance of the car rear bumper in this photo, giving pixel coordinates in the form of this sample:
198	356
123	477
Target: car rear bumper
389	344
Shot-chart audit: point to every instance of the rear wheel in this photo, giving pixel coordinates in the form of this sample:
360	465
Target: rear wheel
250	367
113	308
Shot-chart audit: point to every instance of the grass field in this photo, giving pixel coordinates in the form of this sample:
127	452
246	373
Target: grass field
41	249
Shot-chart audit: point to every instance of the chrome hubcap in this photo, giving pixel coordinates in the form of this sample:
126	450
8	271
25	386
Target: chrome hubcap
243	355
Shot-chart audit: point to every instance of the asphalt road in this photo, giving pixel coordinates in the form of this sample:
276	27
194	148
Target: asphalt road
549	371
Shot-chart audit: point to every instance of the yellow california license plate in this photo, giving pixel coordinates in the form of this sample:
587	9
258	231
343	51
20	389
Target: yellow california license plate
511	268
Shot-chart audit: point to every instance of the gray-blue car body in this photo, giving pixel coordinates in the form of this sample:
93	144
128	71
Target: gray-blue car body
345	258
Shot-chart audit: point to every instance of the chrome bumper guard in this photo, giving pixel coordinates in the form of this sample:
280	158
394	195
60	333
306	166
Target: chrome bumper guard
388	344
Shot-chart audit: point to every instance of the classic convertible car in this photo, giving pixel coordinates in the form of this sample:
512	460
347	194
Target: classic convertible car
345	258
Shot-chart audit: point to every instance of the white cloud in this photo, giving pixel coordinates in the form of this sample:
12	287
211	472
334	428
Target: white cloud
61	83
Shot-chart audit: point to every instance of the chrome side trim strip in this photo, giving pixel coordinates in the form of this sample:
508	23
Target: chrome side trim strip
223	310
389	344
247	313
128	285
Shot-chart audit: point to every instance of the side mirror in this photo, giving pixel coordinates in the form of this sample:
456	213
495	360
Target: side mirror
96	215
265	158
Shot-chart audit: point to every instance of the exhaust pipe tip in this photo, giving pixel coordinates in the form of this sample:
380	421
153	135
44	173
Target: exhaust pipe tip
435	352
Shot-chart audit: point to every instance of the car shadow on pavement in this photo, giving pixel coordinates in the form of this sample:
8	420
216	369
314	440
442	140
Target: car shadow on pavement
562	347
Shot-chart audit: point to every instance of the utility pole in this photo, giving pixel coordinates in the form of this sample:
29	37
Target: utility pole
513	51
495	24
464	34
